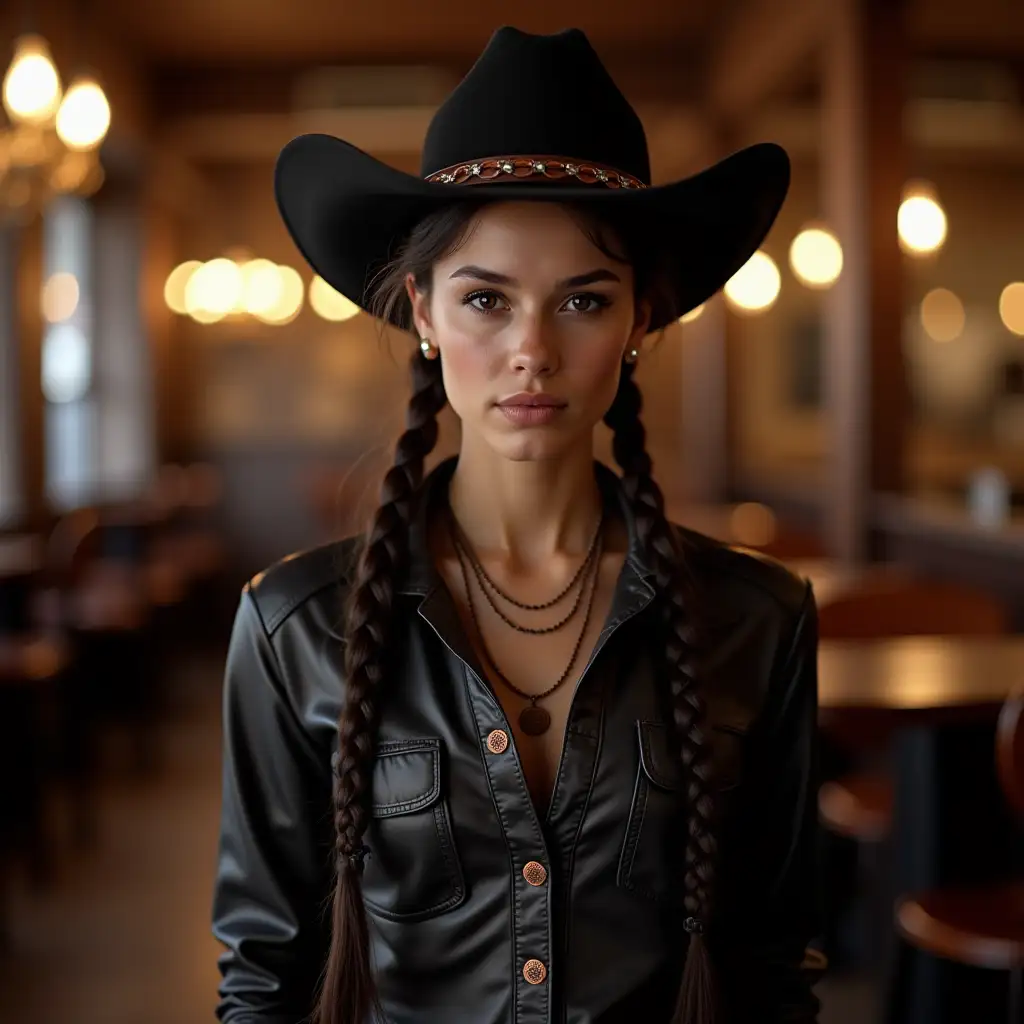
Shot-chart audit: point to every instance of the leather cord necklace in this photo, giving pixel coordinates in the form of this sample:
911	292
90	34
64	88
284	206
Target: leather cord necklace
462	544
533	720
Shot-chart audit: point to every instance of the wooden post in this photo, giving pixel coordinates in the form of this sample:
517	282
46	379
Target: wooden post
12	490
29	339
863	167
706	406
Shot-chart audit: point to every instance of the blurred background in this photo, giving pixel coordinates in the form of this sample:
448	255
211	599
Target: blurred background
183	403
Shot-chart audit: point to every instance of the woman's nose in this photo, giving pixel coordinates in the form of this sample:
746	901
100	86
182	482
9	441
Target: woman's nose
534	348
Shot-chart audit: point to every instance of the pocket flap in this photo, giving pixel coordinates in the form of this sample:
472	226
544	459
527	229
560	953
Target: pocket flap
660	758
406	776
657	757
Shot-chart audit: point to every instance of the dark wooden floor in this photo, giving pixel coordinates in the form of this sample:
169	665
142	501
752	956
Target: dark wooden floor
123	935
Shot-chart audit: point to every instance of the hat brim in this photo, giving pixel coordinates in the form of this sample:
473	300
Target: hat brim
348	213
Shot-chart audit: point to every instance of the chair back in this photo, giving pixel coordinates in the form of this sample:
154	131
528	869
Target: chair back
879	607
1010	750
73	543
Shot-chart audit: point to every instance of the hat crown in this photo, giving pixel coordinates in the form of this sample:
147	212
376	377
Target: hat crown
537	95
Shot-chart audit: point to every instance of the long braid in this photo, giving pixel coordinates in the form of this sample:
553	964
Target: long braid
348	993
696	1003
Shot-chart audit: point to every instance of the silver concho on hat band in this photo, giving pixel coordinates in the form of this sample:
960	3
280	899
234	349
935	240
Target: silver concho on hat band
501	168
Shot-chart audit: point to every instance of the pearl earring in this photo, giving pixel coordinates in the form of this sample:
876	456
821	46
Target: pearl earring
631	356
428	350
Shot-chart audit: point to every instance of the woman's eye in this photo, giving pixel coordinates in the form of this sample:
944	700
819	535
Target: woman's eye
486	302
587	303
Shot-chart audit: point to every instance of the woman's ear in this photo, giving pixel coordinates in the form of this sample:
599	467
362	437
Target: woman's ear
420	303
641	324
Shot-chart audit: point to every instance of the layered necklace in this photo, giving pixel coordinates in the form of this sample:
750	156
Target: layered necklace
533	719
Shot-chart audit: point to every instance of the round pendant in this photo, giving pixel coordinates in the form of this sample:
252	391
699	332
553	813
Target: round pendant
534	720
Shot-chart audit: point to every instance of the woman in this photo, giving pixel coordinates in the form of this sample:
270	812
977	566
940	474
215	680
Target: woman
572	744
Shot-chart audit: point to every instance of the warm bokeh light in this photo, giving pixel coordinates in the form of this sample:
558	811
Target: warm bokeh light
73	171
205	316
755	286
174	286
289	302
31	85
262	287
60	297
213	289
688	318
942	315
328	303
84	115
753	525
816	257
1011	307
921	220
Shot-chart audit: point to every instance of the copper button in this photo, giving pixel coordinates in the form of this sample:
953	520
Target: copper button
497	741
534	972
535	873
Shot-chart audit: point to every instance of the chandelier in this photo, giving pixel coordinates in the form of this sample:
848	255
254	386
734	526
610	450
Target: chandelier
49	145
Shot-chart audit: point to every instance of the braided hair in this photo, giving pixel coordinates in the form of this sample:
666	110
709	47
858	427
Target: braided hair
347	992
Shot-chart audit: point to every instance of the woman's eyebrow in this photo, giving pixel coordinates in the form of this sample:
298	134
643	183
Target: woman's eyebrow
493	277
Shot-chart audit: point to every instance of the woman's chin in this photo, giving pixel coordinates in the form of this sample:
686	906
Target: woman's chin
532	445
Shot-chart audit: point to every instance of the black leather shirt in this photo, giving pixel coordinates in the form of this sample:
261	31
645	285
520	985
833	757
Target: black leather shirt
452	917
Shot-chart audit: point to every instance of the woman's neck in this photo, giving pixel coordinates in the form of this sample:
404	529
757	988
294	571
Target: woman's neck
528	512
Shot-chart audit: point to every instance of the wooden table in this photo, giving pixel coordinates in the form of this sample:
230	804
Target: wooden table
940	697
832	579
923	677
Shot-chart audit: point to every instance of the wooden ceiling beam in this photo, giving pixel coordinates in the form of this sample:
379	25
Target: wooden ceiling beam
670	76
762	49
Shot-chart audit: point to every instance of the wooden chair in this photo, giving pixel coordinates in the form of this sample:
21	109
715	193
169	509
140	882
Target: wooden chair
32	664
99	604
857	805
883	606
889	606
981	926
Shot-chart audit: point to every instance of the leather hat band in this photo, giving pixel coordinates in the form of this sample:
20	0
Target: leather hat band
535	168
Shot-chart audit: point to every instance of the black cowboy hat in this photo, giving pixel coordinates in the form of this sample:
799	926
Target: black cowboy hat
537	117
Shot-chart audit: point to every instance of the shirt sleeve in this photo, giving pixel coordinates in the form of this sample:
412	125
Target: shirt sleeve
274	862
768	879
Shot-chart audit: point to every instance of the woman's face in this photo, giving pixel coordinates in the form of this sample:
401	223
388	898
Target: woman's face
528	303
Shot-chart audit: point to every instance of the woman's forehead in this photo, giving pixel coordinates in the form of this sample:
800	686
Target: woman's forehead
548	236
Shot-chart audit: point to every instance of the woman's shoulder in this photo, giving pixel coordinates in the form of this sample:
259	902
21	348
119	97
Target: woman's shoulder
286	586
739	581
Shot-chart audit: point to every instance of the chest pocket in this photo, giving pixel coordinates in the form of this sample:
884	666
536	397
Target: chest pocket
413	870
652	860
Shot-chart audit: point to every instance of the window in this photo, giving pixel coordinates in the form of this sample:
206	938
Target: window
100	435
126	429
67	355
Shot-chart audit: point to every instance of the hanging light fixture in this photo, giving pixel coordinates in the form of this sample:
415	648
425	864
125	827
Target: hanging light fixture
755	286
816	257
921	220
235	288
329	303
1011	307
50	145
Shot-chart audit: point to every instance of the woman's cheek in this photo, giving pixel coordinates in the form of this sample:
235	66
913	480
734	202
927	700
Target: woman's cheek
467	373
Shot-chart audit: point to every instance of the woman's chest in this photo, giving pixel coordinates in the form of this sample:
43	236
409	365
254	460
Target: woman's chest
461	796
534	660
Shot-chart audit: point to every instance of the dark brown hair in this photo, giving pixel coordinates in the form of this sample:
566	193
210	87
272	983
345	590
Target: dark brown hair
348	993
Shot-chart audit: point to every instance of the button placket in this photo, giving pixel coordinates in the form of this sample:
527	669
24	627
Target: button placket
526	843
